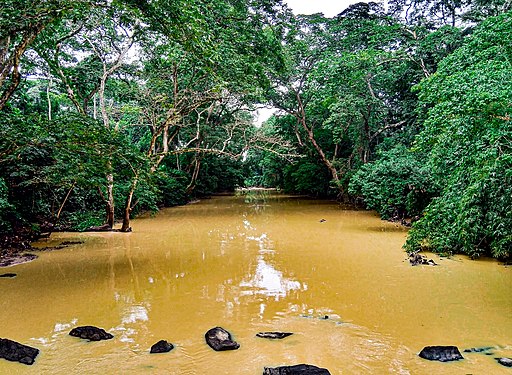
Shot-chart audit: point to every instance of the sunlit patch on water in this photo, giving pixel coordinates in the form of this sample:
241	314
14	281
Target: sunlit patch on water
270	282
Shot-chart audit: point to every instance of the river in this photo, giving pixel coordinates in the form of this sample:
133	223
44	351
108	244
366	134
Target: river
249	263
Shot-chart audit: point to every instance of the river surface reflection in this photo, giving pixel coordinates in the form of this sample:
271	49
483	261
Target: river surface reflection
250	263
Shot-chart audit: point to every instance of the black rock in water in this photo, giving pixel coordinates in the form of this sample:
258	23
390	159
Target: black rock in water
219	339
8	275
161	346
16	352
274	335
296	370
505	361
90	333
441	353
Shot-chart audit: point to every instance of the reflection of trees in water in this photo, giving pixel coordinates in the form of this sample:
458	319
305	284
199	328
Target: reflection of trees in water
133	304
258	199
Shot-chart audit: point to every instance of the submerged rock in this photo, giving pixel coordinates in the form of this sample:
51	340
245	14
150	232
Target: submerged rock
161	346
441	353
16	352
8	275
90	333
219	339
478	350
505	361
296	370
274	335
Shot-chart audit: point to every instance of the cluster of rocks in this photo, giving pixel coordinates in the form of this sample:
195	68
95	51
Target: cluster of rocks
417	259
221	340
452	353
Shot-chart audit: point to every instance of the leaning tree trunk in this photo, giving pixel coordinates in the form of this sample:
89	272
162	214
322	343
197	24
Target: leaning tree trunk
10	63
311	136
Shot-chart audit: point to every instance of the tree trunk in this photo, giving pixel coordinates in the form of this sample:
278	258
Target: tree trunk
332	169
48	98
128	207
109	205
11	64
197	166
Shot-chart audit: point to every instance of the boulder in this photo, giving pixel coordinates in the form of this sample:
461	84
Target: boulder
441	353
161	346
274	335
16	352
219	339
90	333
505	361
296	370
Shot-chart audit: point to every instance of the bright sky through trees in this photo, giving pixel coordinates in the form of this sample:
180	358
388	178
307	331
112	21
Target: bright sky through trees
329	8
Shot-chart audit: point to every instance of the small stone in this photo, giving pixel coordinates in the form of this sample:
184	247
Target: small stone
219	339
90	333
274	335
507	362
161	346
441	353
15	352
296	370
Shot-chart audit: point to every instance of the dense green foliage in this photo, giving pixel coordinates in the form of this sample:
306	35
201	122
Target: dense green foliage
397	185
468	137
111	108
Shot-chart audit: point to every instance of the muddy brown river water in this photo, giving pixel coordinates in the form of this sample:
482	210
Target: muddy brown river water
250	263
